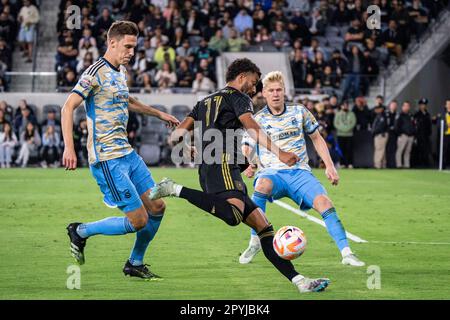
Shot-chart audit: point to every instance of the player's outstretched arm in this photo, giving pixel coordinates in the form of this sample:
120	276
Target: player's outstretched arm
257	134
137	106
322	149
69	155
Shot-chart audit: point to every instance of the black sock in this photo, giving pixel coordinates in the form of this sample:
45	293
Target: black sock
217	206
284	266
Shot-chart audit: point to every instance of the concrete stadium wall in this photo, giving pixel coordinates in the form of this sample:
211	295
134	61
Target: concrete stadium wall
41	99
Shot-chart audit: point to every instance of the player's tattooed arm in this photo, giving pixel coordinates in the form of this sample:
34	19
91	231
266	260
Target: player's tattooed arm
256	133
137	106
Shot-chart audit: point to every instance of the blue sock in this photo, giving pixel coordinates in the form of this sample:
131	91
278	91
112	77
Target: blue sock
109	226
260	200
335	228
143	238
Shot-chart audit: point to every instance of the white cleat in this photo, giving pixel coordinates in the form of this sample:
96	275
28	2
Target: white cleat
352	260
249	253
165	188
311	285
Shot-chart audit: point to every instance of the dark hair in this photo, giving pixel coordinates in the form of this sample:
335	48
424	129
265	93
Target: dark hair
121	28
240	66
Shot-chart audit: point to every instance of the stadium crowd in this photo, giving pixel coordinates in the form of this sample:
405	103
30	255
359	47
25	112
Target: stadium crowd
401	133
18	20
329	45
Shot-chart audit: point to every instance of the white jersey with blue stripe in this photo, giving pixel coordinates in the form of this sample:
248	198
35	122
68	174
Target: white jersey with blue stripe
287	130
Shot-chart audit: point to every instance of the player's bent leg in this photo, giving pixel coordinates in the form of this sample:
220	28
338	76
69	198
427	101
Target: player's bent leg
257	220
263	189
135	264
220	206
324	206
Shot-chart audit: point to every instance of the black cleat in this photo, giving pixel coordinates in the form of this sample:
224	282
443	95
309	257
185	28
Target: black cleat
140	271
77	243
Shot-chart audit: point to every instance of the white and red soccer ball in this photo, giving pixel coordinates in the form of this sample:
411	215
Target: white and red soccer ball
289	242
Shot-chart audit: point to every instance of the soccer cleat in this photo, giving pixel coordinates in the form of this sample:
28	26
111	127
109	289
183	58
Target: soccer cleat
77	243
312	285
140	271
249	253
165	188
352	260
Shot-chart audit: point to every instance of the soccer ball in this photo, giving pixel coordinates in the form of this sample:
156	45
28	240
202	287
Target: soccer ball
289	242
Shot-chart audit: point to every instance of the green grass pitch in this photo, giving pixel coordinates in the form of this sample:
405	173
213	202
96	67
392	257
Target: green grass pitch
197	254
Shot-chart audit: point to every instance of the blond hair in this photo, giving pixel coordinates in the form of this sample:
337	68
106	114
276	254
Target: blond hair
273	76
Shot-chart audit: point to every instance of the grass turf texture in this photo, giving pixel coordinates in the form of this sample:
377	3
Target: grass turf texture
198	255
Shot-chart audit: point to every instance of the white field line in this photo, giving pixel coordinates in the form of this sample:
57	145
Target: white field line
349	235
314	219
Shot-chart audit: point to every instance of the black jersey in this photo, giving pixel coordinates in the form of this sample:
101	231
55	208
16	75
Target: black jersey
221	110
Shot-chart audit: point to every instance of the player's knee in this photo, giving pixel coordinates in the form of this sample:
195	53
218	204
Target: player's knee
232	215
264	186
322	203
139	221
157	207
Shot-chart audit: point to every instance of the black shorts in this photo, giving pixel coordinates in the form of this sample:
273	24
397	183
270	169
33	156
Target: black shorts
218	178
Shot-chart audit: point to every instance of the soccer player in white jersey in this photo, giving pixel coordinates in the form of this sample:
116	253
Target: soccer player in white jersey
120	172
287	125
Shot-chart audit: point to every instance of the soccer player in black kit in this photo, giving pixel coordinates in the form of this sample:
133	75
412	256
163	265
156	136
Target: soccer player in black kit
224	193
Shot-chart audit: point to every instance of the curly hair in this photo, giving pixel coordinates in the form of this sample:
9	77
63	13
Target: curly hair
240	66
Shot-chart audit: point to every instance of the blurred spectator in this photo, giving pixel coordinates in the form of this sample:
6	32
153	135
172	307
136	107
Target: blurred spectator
423	123
353	73
193	24
210	30
243	21
380	137
184	75
330	79
391	148
341	16
419	17
263	36
235	42
7	28
249	37
392	39
218	42
297	68
28	18
355	32
69	80
50	147
202	84
203	52
166	77
30	141
8	141
345	122
87	44
314	48
80	141
141	67
405	129
158	36
207	69
363	114
317	23
178	38
21	121
85	63
102	24
337	63
67	54
446	158
132	128
185	52
163	50
280	38
2	119
51	121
